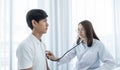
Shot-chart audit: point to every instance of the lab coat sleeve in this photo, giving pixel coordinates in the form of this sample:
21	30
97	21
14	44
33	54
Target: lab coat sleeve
106	58
68	57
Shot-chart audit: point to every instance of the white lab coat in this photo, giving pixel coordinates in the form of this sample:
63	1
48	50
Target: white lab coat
90	58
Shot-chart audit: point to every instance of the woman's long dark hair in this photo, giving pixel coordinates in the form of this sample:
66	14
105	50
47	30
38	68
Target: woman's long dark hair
90	33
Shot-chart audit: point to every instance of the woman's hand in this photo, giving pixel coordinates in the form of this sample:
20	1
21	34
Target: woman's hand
51	56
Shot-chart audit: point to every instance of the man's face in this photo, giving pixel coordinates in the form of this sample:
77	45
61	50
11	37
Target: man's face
41	26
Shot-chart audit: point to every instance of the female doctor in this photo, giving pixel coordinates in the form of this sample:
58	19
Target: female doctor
90	51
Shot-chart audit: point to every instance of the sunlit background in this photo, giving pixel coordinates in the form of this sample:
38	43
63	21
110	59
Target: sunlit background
64	16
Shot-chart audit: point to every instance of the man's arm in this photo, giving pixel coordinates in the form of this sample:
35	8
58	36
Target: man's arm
27	69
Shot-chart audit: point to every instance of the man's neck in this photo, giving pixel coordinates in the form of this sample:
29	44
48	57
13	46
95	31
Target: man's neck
37	35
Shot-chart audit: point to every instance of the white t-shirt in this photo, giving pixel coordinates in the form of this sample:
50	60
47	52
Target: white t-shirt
31	53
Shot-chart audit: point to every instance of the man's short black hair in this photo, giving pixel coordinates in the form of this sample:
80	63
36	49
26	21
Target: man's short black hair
35	14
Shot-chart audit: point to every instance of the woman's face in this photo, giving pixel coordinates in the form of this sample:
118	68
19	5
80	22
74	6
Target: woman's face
81	31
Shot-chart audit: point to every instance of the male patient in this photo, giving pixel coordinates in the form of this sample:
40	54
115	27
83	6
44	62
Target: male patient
31	52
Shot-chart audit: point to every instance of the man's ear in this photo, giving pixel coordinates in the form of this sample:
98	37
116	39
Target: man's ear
33	23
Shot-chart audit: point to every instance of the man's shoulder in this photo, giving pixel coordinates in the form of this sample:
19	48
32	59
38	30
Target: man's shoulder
26	43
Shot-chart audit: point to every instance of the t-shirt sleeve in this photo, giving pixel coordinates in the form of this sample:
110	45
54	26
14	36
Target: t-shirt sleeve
25	56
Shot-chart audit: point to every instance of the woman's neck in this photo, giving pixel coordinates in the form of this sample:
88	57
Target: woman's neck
85	40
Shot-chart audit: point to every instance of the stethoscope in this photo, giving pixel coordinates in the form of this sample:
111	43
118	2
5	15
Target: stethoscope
66	52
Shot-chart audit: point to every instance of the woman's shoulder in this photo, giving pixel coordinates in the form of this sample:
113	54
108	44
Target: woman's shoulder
97	41
99	44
